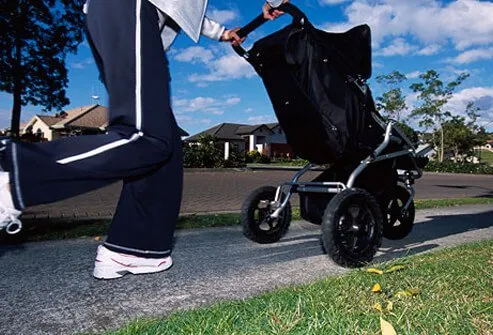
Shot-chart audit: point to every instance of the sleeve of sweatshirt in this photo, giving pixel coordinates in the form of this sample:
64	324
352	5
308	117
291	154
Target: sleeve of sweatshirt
212	29
274	3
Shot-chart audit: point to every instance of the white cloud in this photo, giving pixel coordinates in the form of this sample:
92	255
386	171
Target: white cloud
378	65
221	64
429	50
262	119
470	56
482	97
190	120
413	75
227	67
82	64
398	47
204	104
332	2
463	22
195	54
222	16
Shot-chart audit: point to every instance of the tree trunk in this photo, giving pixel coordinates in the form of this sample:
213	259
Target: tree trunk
16	116
441	144
17	74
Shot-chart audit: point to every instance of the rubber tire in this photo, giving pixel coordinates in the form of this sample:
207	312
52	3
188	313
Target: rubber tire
335	209
247	219
406	224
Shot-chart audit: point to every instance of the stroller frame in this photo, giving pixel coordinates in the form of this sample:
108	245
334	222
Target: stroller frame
353	207
295	186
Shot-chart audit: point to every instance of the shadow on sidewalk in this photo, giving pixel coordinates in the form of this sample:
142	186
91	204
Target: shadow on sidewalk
439	226
306	244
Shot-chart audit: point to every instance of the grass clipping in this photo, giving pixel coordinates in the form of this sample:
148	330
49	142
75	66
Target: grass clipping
446	292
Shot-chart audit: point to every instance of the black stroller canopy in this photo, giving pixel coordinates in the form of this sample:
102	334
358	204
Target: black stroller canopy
354	47
312	79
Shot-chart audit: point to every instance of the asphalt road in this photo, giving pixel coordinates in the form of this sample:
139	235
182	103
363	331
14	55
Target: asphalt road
47	287
225	191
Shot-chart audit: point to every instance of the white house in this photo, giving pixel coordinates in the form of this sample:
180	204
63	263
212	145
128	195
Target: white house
84	120
268	139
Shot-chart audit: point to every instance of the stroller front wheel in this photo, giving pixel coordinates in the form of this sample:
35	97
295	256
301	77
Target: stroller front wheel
255	217
397	224
352	228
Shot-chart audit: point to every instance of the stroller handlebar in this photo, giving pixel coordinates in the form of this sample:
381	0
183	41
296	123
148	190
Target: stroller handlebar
298	18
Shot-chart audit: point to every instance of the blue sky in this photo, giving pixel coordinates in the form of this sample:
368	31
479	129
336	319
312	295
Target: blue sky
210	84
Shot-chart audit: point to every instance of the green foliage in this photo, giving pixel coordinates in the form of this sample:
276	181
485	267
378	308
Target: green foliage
206	154
485	156
459	139
410	133
463	167
236	158
36	38
256	157
434	95
290	162
209	153
392	102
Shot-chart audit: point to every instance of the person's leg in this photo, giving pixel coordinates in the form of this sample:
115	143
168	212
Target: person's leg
147	212
148	208
141	127
149	205
144	223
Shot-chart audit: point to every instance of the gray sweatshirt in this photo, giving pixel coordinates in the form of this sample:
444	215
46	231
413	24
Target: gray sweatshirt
188	15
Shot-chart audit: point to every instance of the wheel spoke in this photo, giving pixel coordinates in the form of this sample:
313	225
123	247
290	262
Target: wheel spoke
393	211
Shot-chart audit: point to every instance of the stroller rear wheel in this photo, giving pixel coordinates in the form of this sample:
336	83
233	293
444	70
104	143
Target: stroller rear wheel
257	225
398	225
352	228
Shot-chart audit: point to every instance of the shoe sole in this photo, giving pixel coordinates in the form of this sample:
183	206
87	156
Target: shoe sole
112	272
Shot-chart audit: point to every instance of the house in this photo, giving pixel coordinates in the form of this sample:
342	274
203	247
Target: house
488	145
78	121
84	120
268	139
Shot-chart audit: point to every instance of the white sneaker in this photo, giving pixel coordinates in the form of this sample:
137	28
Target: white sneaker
9	220
111	265
9	216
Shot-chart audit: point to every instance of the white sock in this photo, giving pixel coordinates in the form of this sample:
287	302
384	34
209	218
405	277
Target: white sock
5	195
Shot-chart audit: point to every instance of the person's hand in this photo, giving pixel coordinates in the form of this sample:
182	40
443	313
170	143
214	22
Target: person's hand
271	13
230	35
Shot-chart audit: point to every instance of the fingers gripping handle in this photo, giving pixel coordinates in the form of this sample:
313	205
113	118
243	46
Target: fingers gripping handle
299	18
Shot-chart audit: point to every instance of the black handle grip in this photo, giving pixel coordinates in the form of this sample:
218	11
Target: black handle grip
254	24
299	18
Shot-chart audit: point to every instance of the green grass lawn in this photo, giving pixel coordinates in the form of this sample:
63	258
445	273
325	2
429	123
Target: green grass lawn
487	157
444	292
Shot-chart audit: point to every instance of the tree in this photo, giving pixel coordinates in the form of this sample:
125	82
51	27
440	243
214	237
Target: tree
459	139
207	153
392	102
461	136
434	95
37	35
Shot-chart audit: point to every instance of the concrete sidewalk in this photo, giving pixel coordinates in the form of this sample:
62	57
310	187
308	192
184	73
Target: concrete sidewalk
47	287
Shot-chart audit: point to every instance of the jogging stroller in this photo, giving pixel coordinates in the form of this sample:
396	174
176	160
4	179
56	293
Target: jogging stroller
317	84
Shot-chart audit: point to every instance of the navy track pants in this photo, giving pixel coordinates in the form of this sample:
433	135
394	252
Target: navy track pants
142	145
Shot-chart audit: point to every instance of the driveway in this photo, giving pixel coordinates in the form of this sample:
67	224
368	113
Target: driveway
47	287
225	191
